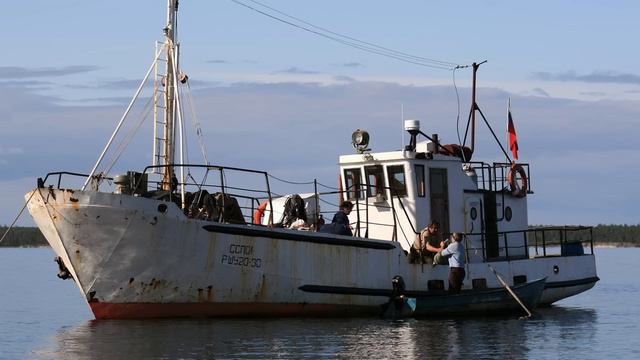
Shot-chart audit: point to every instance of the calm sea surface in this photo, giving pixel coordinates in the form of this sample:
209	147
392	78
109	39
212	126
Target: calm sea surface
42	317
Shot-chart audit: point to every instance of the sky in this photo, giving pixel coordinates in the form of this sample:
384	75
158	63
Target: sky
274	97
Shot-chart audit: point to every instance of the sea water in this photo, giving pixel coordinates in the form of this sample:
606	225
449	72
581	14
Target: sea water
43	317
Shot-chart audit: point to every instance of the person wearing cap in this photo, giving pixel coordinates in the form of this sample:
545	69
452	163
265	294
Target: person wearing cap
455	253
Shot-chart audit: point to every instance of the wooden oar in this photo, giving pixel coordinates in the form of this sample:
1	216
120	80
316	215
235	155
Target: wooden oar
510	291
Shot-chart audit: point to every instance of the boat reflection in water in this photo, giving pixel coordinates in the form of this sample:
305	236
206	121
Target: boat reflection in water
551	329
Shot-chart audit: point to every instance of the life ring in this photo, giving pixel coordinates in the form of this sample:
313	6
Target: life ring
521	189
257	215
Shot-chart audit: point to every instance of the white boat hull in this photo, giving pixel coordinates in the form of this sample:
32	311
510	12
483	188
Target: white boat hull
133	258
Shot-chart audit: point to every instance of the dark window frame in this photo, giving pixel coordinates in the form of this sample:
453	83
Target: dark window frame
377	171
392	170
421	184
350	179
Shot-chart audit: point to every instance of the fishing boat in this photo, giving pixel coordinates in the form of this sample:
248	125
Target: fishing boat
519	299
177	239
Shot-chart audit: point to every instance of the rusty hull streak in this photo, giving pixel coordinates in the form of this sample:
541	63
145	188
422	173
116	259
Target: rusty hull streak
211	259
262	293
151	286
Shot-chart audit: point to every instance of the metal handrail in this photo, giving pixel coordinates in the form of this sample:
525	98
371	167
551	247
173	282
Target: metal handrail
61	173
563	239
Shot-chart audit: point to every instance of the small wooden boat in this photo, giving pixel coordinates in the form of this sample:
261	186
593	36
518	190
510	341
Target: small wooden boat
467	302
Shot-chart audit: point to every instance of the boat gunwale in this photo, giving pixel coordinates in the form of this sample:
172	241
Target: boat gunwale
410	293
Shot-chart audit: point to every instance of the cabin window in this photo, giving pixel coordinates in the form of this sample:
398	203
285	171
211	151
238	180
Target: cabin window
420	180
397	181
375	180
352	179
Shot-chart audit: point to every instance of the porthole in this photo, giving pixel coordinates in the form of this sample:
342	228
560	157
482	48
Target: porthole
508	213
473	213
162	208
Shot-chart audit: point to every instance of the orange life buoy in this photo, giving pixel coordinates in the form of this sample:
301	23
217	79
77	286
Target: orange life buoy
517	190
257	215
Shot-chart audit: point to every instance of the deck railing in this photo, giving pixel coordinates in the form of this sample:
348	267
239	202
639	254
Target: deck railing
493	177
538	241
542	241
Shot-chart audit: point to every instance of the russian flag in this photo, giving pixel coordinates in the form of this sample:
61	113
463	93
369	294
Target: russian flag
513	138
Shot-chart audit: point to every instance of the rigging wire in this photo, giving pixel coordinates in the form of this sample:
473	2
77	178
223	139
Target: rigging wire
438	62
328	203
328	187
196	122
290	182
18	216
359	44
455	87
302	183
186	143
128	138
350	41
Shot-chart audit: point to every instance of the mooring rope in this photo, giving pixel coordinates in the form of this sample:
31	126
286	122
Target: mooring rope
17	217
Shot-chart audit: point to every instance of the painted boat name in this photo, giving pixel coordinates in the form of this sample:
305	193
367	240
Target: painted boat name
240	255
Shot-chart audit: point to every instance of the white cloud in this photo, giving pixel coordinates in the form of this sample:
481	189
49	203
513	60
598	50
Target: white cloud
580	151
11	150
16	72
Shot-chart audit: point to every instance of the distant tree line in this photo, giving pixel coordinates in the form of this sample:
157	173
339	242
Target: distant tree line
615	235
22	237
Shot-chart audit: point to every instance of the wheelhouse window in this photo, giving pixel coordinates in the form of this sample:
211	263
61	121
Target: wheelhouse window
352	179
375	180
397	181
420	181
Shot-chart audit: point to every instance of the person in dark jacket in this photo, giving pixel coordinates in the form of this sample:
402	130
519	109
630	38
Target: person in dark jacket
340	223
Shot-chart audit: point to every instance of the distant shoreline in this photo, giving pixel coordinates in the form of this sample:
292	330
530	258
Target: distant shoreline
627	235
623	244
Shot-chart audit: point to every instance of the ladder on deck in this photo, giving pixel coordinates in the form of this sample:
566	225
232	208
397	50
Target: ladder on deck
160	126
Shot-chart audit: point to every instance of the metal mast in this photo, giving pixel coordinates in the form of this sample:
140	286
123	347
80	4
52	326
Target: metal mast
170	107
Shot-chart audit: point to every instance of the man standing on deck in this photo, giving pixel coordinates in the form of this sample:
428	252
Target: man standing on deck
455	253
